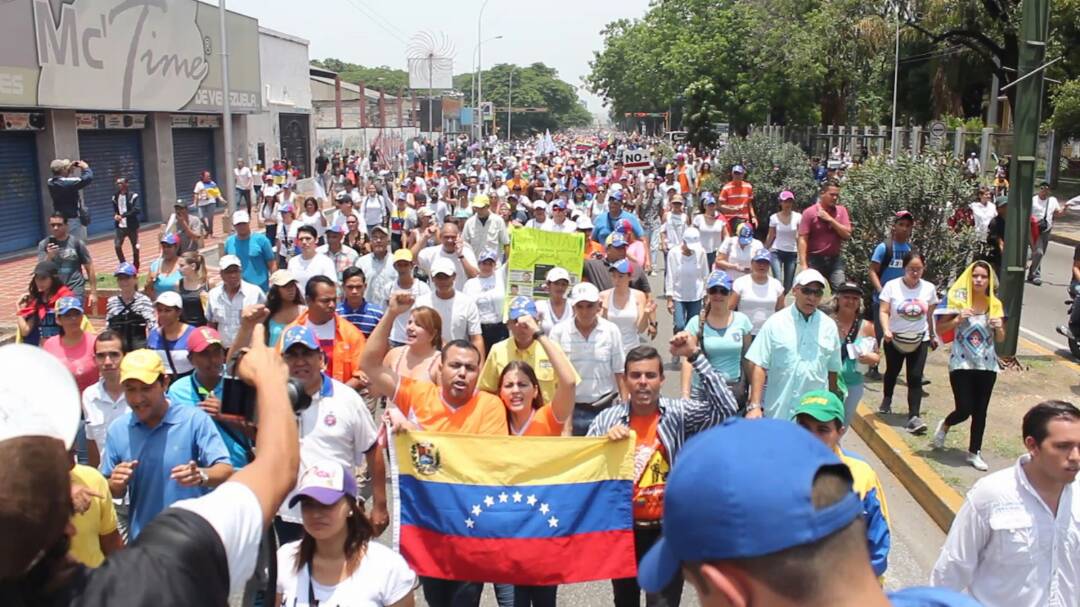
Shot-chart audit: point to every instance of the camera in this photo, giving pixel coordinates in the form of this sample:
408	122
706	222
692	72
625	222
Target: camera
238	398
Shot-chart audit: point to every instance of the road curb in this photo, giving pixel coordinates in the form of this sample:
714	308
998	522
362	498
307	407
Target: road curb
930	491
1065	240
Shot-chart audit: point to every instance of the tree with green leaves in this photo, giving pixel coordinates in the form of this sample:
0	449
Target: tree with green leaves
534	86
701	114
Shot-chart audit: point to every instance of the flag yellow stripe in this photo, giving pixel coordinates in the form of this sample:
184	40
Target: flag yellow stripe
512	460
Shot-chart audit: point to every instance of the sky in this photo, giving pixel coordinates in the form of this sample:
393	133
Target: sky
560	33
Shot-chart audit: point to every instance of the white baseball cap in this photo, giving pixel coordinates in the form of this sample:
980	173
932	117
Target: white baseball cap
809	276
443	265
229	261
170	299
557	273
584	291
47	406
241	217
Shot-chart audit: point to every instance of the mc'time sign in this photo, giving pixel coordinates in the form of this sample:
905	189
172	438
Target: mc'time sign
156	55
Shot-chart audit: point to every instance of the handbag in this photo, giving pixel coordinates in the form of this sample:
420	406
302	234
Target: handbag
84	214
1044	225
908	342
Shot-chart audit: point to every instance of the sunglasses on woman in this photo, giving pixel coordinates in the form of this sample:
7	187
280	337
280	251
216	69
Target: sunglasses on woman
720	290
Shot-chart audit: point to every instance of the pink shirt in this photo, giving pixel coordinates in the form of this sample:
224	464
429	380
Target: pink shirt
79	359
821	238
636	252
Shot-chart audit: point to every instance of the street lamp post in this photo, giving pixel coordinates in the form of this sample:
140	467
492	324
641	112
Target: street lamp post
896	81
479	64
509	102
226	118
476	72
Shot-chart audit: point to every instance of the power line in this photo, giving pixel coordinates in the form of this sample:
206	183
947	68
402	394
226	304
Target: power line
934	55
376	20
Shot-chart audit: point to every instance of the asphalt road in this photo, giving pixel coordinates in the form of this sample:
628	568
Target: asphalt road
1044	307
916	539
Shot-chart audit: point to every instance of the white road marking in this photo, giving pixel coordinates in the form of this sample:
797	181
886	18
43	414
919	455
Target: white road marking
1046	340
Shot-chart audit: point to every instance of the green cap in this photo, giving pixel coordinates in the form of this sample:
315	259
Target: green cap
821	405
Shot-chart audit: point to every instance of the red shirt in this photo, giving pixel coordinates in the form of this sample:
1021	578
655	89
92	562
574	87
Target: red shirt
821	238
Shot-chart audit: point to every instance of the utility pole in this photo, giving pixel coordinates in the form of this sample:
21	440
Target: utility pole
896	84
1029	89
226	123
509	102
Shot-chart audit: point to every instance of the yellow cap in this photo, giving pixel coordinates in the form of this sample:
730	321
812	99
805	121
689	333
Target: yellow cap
481	200
402	254
143	365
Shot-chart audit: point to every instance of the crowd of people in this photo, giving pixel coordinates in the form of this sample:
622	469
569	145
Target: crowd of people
393	308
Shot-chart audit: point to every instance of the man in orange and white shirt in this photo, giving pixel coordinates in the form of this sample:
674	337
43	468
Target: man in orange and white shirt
737	199
685	177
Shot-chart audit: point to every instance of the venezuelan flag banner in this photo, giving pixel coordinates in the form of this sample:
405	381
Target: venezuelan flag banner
514	510
212	190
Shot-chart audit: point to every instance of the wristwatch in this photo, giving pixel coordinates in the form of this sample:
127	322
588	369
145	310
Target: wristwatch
204	478
693	356
539	333
750	407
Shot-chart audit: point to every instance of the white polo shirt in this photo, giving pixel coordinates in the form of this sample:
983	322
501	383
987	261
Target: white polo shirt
460	316
428	256
597	358
336	426
225	311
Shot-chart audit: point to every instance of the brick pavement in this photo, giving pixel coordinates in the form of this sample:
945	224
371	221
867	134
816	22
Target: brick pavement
15	271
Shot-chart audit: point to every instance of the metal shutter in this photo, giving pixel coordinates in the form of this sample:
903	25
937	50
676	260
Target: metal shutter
111	154
20	201
193	153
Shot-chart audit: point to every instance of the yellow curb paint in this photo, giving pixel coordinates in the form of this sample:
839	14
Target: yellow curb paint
1048	352
936	497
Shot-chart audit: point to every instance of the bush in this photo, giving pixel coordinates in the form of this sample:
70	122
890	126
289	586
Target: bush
772	167
935	192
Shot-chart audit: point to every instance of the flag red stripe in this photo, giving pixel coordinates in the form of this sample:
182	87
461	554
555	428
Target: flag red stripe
584	557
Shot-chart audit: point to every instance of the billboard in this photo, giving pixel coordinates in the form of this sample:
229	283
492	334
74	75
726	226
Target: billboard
124	55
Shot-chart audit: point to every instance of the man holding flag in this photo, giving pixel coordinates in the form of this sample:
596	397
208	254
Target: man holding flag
205	196
661	426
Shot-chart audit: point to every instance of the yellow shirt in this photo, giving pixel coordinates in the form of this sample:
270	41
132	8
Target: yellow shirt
99	520
506	351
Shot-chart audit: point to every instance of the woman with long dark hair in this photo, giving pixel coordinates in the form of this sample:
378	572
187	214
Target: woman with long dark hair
36	316
336	562
194	288
977	317
284	303
419	358
724	336
906	311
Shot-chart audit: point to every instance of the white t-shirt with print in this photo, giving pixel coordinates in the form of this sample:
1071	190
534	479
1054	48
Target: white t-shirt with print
907	306
757	301
383	578
460	316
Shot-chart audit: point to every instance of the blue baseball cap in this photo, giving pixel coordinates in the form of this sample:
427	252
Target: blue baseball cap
618	240
67	304
521	306
488	255
299	334
746	234
170	239
125	269
719	278
622	266
743	490
738	169
616	195
762	255
336	228
559	204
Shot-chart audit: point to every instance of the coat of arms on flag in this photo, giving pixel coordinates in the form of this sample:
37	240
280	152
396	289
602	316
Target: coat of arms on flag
515	510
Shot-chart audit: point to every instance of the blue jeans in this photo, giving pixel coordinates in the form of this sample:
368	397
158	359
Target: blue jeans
684	311
504	594
831	267
653	233
535	596
783	267
76	229
450	593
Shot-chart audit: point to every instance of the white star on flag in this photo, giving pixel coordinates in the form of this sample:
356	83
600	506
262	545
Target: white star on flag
469	523
544	509
517	497
476	509
531	500
489	501
502	497
552	522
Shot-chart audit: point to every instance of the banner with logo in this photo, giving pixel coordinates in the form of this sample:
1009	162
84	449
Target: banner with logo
124	55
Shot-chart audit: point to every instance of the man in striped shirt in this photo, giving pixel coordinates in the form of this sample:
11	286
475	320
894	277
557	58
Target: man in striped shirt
363	314
662	426
737	198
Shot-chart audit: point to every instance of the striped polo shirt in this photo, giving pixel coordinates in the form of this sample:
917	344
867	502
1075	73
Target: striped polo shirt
364	318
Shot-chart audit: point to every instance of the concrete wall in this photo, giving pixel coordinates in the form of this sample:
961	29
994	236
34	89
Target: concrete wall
286	83
362	139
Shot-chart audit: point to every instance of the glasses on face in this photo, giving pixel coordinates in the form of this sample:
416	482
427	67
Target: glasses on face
719	291
914	269
813	292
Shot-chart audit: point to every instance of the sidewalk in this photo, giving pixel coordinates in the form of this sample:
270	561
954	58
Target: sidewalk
15	272
1067	228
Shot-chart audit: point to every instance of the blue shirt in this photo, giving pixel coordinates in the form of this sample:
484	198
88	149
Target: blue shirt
798	354
255	254
603	226
364	318
184	434
188	391
723	347
892	268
